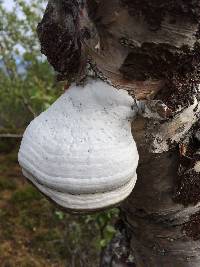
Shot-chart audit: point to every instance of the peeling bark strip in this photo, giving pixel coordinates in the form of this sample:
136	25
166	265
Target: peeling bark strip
59	35
164	136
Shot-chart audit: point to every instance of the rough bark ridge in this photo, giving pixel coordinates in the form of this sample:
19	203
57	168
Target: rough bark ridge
151	49
161	235
155	11
59	36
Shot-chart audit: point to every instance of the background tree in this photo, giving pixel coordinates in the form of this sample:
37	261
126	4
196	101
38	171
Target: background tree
150	48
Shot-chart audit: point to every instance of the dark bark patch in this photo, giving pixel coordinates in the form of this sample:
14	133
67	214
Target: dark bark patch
187	190
156	61
59	36
118	252
192	228
92	8
178	67
155	11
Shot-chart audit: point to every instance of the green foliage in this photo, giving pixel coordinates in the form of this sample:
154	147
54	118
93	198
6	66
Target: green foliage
7	184
25	196
27	81
102	222
44	231
27	87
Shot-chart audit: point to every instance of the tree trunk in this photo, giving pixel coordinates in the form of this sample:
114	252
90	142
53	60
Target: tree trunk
151	49
159	225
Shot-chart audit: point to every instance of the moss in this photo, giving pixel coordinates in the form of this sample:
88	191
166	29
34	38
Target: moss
25	195
11	158
6	226
7	184
39	233
7	145
49	242
27	263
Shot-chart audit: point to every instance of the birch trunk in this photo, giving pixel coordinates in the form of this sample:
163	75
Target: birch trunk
151	49
159	225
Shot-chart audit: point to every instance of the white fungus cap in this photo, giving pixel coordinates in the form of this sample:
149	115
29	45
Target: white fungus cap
80	152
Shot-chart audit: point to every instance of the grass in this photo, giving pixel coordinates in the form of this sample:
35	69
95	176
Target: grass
26	195
35	232
7	184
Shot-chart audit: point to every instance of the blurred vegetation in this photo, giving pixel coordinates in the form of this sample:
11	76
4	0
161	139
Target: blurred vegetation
27	81
33	231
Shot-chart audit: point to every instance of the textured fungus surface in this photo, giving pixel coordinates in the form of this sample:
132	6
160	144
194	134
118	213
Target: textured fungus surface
80	152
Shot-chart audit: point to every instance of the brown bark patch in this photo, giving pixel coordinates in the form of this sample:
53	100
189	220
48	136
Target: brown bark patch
192	228
187	191
155	11
59	36
178	67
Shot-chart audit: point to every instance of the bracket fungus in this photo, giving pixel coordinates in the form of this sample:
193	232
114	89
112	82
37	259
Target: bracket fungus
80	152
